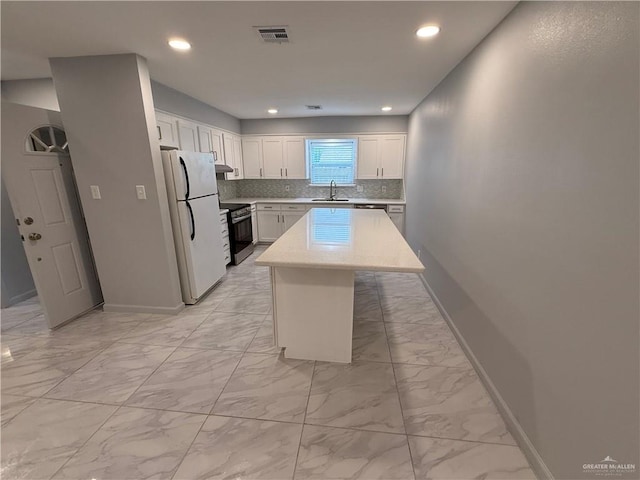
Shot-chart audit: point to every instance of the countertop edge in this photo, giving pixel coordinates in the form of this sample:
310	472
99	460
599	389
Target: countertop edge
352	201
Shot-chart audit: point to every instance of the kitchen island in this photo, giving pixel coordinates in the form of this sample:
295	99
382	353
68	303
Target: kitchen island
313	265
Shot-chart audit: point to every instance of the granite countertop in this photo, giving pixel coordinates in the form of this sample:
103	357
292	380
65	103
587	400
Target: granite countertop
343	239
353	201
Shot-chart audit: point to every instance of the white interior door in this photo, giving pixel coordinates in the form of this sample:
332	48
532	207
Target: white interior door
202	241
44	200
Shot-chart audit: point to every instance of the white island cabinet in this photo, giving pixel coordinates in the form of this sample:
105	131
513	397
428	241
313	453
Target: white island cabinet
313	265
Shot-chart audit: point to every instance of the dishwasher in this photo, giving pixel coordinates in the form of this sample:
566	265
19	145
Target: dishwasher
371	206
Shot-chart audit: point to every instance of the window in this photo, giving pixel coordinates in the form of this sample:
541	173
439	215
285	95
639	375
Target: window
48	139
332	159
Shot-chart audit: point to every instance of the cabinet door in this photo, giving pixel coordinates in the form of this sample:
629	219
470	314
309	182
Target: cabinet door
216	146
205	142
289	218
227	140
368	157
272	157
398	221
392	156
269	226
188	135
295	162
254	225
167	130
252	157
237	156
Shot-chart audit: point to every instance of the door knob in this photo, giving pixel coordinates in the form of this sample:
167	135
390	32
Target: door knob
28	221
34	236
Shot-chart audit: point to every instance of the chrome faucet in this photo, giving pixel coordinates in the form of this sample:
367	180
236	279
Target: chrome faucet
332	190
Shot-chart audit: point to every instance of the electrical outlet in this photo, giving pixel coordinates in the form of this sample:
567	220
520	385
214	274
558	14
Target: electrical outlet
384	189
359	188
95	192
419	254
287	188
141	192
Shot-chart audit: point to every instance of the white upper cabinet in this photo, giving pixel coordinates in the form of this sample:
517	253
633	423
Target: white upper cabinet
381	156
216	146
167	130
273	157
295	162
188	136
252	157
233	155
204	139
368	148
392	156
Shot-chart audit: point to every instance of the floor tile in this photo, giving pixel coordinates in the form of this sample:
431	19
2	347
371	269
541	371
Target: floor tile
164	330
39	440
448	403
438	459
263	341
16	314
360	395
104	325
332	453
36	373
135	443
366	306
400	285
15	347
12	405
256	303
410	310
370	342
189	380
241	448
225	331
424	345
37	326
113	375
268	387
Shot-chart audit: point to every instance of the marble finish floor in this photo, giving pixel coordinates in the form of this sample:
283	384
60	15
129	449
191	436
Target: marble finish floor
205	394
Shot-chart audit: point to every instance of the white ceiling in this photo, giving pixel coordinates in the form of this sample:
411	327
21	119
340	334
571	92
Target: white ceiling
350	57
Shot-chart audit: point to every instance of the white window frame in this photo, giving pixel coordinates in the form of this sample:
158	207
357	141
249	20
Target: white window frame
307	150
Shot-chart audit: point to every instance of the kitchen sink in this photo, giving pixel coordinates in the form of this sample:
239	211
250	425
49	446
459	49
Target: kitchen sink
330	200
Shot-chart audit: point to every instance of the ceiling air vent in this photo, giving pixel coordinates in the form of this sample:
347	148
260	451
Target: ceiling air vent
314	107
273	34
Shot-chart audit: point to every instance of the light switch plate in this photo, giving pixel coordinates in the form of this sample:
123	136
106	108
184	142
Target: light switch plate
140	192
95	192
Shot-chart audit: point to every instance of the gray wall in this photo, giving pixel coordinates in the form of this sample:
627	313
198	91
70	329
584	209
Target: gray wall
17	282
107	110
170	100
522	193
309	125
35	92
41	93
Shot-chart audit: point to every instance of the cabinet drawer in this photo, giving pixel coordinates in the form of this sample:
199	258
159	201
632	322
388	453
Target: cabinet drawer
269	206
223	218
395	208
224	227
298	207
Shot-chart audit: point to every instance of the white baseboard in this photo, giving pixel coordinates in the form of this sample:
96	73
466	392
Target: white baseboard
111	307
20	298
519	435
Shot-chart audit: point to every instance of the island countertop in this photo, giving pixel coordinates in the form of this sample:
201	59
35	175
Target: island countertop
343	239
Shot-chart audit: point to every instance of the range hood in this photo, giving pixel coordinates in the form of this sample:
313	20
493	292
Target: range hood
223	168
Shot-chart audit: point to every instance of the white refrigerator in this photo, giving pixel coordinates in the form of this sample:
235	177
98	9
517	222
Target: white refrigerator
195	216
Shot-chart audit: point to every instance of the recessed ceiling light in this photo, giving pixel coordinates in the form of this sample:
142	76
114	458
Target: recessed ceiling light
179	44
386	109
428	31
272	111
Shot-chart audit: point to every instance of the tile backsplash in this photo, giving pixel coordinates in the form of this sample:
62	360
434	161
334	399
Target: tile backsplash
301	189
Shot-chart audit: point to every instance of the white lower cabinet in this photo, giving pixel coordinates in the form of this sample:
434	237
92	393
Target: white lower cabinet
396	214
226	245
275	219
254	223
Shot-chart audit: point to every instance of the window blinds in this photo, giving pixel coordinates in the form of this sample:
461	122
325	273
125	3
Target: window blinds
332	160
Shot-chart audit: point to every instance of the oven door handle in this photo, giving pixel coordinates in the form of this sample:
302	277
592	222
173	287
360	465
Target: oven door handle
240	219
